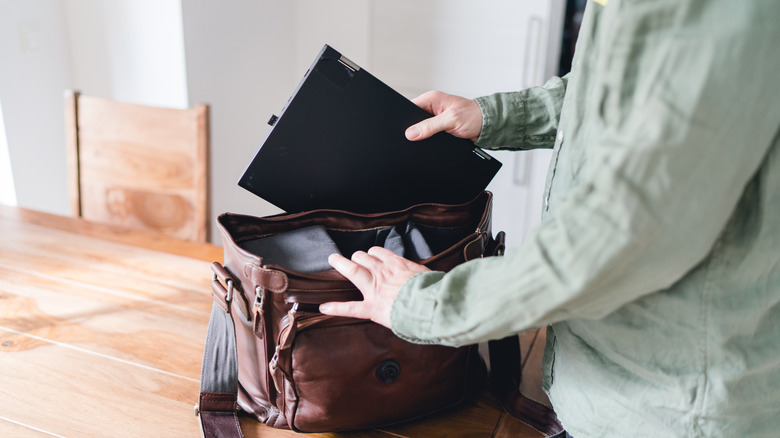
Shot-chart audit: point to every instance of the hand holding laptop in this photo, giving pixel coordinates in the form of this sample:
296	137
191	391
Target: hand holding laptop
456	115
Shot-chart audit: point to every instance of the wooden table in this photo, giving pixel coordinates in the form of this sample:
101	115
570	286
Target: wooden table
102	331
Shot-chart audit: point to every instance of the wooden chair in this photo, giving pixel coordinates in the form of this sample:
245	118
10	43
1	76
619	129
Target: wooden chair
138	166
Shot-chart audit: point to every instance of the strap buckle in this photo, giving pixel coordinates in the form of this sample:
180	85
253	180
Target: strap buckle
226	289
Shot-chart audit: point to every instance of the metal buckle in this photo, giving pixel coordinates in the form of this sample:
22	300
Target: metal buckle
229	294
228	289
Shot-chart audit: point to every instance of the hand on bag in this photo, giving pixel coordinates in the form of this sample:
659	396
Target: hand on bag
379	275
457	115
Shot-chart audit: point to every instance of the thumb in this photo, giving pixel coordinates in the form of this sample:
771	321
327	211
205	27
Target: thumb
426	128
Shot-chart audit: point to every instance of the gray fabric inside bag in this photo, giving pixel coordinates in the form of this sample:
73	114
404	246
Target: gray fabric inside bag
307	249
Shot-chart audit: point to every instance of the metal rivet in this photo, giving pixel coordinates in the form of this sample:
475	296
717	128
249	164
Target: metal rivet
388	371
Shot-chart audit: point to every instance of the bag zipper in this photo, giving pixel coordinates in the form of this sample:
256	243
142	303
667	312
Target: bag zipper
292	324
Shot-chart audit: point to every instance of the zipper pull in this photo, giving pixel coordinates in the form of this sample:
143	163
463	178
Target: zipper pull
272	367
258	311
286	336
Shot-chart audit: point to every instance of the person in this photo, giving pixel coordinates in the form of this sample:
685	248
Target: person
657	263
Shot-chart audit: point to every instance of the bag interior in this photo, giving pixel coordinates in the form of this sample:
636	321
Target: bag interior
307	249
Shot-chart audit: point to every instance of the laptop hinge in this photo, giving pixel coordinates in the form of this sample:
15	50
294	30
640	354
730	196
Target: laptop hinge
349	64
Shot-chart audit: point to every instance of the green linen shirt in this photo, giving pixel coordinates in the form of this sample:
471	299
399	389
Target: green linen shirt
657	263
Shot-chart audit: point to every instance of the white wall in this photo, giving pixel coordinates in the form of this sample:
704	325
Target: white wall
33	73
343	24
239	61
128	50
457	46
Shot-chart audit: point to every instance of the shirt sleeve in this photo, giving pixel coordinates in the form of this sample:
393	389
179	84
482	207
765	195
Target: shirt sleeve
526	119
685	111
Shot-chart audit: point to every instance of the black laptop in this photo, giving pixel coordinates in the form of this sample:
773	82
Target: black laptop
339	144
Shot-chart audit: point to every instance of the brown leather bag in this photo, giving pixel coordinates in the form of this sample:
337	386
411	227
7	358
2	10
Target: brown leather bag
270	353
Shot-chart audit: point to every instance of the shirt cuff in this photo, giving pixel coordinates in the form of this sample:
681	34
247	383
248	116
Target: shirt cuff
487	116
501	113
411	316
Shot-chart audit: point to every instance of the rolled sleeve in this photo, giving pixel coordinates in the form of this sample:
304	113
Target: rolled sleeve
526	119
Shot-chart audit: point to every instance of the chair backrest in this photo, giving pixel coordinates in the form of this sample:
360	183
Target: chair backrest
138	166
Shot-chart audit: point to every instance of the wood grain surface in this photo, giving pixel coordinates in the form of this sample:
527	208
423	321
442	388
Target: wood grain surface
138	166
102	331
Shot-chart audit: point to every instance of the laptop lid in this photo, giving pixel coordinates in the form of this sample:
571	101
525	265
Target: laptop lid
339	143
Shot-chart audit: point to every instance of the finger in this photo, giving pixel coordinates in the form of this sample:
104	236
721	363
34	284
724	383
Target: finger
428	101
392	262
354	272
382	254
366	260
427	128
350	309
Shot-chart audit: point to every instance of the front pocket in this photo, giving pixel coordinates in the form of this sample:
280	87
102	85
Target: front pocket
361	375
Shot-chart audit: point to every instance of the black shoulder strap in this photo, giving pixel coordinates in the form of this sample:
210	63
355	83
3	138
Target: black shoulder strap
217	407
